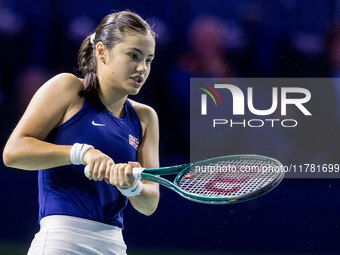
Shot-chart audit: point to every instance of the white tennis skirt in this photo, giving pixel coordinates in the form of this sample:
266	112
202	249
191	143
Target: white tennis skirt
61	235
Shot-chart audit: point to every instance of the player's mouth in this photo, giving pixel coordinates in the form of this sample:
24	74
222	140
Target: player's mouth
138	80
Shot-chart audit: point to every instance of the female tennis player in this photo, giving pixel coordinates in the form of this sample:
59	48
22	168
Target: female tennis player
71	122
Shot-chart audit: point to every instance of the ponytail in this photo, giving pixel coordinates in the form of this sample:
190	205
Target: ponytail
88	66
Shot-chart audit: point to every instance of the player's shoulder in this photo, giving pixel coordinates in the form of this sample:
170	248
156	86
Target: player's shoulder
145	112
65	81
64	85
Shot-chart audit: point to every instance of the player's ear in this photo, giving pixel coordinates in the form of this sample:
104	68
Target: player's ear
101	52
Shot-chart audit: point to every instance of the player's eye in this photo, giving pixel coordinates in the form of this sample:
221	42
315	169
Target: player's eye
133	56
149	61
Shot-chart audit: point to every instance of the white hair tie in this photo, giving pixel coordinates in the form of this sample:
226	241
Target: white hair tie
92	38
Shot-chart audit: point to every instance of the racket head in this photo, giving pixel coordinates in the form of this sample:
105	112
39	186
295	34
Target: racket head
229	179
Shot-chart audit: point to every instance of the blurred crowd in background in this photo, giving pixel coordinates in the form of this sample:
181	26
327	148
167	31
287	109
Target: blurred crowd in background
211	38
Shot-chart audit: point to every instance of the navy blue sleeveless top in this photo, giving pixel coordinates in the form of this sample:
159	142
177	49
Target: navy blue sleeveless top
65	190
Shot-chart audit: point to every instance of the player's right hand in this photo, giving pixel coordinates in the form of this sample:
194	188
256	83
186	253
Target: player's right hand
99	164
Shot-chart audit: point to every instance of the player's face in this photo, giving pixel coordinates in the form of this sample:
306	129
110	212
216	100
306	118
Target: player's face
129	63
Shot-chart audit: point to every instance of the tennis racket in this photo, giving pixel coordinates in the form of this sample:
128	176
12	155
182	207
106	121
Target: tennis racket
222	180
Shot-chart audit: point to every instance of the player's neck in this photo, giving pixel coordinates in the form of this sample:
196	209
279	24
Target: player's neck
114	104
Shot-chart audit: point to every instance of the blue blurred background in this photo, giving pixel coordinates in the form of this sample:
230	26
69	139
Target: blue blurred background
206	38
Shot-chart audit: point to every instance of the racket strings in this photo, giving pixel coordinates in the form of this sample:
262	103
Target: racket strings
228	178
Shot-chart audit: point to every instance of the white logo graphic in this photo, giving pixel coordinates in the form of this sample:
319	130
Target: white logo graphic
238	100
97	124
288	97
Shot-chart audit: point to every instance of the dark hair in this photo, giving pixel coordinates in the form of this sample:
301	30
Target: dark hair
111	30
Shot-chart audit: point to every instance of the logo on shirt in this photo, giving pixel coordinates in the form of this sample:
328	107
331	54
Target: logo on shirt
133	141
97	124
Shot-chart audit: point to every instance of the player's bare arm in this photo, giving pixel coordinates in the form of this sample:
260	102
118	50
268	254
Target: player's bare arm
55	102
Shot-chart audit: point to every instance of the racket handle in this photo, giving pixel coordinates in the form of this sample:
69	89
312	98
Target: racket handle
136	171
86	171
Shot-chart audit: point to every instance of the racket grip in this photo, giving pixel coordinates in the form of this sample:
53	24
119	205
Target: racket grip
136	171
86	171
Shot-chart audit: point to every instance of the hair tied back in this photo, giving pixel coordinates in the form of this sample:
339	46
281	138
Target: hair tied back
93	36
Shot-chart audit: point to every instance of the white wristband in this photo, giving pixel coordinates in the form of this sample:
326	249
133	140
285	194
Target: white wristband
77	153
133	191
